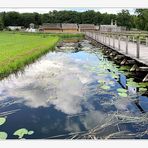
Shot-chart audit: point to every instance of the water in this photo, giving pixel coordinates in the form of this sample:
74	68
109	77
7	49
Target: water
72	95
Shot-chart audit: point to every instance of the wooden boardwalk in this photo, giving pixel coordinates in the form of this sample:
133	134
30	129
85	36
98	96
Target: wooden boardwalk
121	43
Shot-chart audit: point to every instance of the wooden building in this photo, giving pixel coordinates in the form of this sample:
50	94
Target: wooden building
86	27
69	28
51	28
112	27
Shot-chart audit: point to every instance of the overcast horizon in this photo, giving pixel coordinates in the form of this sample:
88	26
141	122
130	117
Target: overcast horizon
46	10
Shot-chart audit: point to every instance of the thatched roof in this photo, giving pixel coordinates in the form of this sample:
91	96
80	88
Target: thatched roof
69	26
51	26
86	26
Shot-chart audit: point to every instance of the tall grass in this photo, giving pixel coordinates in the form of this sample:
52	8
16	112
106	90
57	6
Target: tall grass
17	50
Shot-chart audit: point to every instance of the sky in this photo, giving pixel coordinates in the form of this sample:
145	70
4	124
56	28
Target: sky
46	10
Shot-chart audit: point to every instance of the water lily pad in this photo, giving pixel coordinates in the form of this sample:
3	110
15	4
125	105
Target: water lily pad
3	135
2	120
121	90
111	82
122	94
132	84
30	132
143	89
105	87
114	76
21	132
143	84
101	81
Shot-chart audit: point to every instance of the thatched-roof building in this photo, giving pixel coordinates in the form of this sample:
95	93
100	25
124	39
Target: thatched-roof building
86	27
51	28
70	28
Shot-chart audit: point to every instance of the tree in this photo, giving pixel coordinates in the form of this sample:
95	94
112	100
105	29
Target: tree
124	19
1	21
88	17
12	19
142	19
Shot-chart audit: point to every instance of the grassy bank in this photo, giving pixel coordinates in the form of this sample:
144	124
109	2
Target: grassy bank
17	50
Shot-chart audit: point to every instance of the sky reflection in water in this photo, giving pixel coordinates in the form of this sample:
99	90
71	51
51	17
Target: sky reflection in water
59	95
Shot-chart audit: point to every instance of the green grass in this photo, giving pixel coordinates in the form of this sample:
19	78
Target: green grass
17	50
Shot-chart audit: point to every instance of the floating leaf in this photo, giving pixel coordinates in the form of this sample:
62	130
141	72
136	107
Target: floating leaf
122	94
3	135
21	132
30	132
121	90
143	84
2	120
101	81
143	89
111	82
105	87
114	76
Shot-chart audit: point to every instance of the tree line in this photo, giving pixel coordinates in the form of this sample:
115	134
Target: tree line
139	20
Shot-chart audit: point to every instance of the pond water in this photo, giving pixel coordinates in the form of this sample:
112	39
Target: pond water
72	94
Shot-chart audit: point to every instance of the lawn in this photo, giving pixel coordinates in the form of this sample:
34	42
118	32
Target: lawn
17	50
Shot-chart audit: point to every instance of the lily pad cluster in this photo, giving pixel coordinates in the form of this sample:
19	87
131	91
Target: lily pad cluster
3	135
105	84
20	132
122	92
142	86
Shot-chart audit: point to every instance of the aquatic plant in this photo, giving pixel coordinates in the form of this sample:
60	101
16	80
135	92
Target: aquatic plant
105	87
22	132
2	120
3	135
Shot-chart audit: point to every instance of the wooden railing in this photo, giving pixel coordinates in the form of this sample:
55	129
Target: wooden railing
121	41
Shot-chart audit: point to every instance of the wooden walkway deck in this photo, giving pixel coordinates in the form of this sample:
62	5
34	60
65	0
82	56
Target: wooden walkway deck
121	43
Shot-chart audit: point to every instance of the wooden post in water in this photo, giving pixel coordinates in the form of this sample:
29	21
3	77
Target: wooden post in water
138	47
119	41
127	44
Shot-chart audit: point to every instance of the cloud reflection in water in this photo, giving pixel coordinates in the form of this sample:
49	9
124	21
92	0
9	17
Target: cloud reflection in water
57	79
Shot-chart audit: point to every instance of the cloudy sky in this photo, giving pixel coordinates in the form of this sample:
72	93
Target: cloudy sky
45	10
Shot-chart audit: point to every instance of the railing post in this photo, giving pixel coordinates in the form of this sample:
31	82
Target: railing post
105	38
113	41
138	47
93	35
109	39
98	36
133	39
119	41
146	41
127	44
